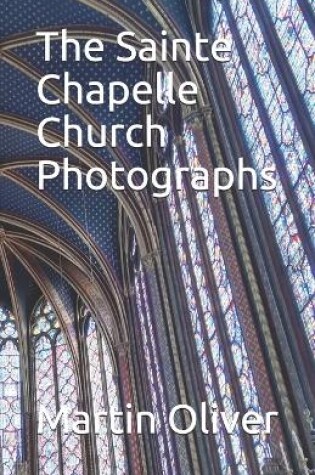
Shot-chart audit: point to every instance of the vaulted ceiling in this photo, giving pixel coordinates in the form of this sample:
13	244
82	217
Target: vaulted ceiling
47	237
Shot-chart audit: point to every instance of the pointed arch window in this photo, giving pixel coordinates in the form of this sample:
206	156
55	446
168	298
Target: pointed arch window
268	116
55	388
104	396
10	393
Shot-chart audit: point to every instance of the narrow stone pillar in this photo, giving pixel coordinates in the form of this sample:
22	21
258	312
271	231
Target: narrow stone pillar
167	347
127	394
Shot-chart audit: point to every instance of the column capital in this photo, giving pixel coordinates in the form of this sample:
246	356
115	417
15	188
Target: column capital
178	140
149	259
195	117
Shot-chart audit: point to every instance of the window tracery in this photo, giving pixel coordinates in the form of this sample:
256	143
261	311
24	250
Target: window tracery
55	388
10	393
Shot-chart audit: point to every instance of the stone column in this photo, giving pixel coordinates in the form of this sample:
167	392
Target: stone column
166	342
132	440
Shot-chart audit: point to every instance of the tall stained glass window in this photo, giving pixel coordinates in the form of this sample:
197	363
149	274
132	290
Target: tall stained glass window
214	318
56	387
145	328
10	394
104	391
271	127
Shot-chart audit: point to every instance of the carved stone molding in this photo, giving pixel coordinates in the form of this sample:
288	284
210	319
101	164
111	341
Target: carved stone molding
195	117
309	419
149	259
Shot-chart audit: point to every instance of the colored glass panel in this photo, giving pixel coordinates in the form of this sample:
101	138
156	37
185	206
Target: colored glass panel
290	146
58	453
10	394
298	43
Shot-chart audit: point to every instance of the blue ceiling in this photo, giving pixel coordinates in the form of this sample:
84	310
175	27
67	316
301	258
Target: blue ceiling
17	201
16	144
26	15
96	212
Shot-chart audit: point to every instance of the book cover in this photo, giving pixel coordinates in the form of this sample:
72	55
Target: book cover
157	194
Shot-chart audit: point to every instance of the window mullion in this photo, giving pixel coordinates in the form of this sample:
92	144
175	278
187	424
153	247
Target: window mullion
153	386
106	404
34	407
56	385
143	288
11	431
89	401
142	380
199	389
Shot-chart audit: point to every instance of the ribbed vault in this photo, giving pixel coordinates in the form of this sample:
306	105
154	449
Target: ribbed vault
68	244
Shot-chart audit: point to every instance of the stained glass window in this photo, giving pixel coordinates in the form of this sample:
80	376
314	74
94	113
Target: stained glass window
209	334
154	377
10	394
56	387
103	382
298	43
224	291
271	131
